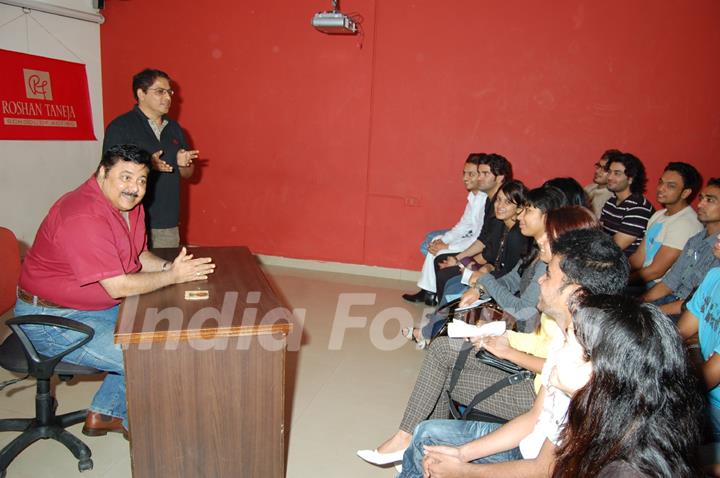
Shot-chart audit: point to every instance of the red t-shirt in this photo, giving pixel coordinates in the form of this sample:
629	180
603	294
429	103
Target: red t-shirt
83	240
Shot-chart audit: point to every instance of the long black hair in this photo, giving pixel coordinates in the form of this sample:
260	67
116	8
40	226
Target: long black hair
642	406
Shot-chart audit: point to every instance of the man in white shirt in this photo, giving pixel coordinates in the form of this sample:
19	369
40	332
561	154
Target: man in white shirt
584	259
668	229
597	191
483	174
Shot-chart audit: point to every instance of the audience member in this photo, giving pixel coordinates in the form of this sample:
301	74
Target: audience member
696	258
668	229
583	261
702	317
148	126
506	245
503	246
89	253
517	291
597	191
610	434
625	215
481	180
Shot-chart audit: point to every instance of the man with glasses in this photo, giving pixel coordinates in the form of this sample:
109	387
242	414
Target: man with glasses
597	191
148	127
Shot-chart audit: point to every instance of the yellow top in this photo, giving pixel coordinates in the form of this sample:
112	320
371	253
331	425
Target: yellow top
536	343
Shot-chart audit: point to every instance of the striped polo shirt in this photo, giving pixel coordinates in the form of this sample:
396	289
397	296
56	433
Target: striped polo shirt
629	217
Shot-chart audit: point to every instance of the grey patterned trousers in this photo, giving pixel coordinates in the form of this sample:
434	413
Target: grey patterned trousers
429	400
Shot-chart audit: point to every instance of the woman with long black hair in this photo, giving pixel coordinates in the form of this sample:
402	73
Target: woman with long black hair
639	414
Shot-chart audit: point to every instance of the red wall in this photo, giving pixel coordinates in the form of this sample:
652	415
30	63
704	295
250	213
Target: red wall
350	148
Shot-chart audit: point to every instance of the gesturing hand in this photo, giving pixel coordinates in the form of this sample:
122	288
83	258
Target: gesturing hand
158	164
185	157
186	269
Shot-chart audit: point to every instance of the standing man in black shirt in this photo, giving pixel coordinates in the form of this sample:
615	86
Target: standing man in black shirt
148	127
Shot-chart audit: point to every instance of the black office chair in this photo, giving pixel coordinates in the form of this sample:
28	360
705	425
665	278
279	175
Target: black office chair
17	354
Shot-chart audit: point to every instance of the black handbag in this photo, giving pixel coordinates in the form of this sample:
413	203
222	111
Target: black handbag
488	358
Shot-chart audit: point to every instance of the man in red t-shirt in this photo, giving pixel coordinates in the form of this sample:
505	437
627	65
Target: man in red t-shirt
89	253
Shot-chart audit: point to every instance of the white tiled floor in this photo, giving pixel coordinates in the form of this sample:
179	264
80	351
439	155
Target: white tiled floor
340	400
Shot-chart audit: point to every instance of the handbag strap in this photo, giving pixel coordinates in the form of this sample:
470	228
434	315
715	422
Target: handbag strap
496	387
459	365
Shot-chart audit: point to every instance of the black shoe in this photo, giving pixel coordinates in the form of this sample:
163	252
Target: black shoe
431	299
421	296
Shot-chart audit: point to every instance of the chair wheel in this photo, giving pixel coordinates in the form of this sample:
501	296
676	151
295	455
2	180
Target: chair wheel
83	465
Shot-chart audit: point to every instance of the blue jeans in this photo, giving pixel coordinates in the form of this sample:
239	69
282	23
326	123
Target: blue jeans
428	239
100	353
454	288
449	432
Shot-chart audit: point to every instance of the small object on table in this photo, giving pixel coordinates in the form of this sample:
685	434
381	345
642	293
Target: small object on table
197	295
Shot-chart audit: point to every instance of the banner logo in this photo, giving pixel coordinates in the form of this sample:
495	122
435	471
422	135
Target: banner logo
43	99
37	85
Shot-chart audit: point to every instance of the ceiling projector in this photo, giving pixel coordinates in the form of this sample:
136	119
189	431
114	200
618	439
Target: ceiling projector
334	22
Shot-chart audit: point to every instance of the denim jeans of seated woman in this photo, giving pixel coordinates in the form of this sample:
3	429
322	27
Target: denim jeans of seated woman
453	290
453	433
100	353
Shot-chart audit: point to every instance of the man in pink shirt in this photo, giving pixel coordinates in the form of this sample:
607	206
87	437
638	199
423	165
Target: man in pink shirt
89	253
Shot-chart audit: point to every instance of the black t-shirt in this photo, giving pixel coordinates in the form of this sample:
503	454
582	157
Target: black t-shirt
504	248
488	220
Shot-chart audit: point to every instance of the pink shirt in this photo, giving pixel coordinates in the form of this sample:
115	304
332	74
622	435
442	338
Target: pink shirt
83	240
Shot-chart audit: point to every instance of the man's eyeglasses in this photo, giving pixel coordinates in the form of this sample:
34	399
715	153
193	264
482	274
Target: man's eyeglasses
162	91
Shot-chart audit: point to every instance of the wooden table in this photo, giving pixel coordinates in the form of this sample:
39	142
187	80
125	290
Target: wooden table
205	379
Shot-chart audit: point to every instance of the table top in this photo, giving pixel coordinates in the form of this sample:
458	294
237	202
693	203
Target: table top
241	302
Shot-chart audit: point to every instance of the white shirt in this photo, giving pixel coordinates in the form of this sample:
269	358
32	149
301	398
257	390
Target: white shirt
671	231
468	228
554	410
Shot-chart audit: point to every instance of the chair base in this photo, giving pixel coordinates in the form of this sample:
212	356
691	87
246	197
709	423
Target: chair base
33	431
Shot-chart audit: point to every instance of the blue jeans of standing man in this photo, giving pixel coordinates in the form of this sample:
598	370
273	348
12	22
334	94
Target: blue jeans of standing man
100	353
453	433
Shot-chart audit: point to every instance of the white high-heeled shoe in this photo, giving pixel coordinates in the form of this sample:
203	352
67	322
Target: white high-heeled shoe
376	458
